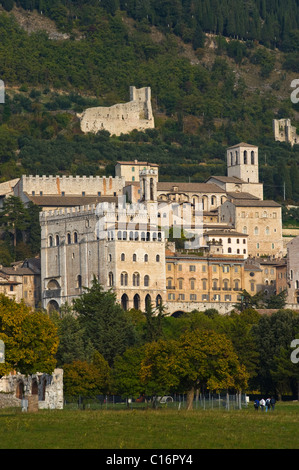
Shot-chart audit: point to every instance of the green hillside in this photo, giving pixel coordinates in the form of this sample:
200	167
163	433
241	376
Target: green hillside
208	91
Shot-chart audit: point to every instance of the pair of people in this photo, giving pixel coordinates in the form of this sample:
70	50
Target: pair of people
267	404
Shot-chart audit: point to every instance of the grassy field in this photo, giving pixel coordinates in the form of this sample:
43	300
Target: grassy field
149	429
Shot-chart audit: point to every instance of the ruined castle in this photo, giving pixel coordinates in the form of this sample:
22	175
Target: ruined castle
121	118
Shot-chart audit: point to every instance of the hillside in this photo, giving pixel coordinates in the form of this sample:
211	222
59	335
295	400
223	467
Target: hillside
204	98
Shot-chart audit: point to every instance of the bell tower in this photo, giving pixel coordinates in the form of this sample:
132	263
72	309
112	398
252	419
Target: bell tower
242	162
148	185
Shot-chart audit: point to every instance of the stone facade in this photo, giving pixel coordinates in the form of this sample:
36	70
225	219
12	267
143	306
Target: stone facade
47	388
93	241
293	272
285	132
260	220
21	281
199	281
121	118
130	170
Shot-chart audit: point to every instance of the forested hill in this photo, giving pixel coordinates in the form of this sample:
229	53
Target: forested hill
219	72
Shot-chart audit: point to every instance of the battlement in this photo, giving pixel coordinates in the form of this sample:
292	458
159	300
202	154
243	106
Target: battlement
45	178
65	212
70	185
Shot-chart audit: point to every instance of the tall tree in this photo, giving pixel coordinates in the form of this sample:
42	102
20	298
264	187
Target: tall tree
104	321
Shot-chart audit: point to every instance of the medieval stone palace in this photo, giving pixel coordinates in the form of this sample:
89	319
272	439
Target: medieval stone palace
118	230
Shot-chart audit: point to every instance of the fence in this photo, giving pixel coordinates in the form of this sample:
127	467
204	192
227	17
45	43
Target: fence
201	402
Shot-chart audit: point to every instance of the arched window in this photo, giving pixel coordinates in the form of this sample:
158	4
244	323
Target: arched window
110	279
124	279
256	230
148	301
157	258
68	238
119	235
124	301
245	157
79	281
122	257
158	300
245	230
229	250
50	240
75	237
134	257
136	301
145	258
267	231
252	157
146	280
57	240
136	279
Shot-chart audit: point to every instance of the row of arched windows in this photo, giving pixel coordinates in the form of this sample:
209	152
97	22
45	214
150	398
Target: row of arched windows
135	236
134	257
137	301
70	238
235	159
124	280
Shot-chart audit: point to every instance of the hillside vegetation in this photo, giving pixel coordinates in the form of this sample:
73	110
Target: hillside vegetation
212	86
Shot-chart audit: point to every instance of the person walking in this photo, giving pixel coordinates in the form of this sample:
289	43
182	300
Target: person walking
256	404
268	404
262	404
272	403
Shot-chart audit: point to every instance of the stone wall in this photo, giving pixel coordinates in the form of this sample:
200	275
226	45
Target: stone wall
121	118
42	390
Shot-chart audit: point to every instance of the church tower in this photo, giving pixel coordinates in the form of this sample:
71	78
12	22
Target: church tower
148	185
242	162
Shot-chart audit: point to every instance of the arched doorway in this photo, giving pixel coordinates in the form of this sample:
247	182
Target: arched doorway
20	390
34	387
158	300
53	306
177	314
136	302
148	301
124	301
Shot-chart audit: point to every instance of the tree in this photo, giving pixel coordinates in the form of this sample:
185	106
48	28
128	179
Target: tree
199	359
126	373
271	334
13	217
30	339
80	379
104	322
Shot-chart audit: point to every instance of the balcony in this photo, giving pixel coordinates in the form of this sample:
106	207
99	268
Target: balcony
52	293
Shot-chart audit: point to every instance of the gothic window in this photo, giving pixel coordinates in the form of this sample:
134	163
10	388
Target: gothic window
245	157
136	279
122	257
124	279
157	258
146	280
110	279
256	231
145	258
134	257
79	281
57	240
75	237
252	158
50	240
68	238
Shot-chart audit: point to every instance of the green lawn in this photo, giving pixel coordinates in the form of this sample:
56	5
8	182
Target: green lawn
149	429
